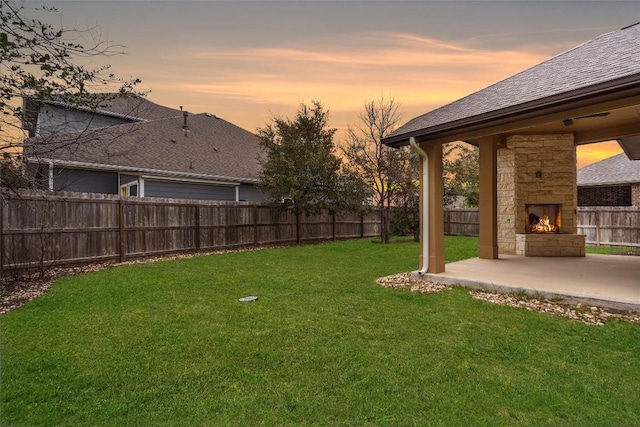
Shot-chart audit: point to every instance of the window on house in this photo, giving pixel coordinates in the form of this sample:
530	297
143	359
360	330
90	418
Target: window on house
130	189
619	195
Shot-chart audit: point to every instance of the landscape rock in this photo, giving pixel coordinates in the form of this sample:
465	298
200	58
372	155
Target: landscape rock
590	315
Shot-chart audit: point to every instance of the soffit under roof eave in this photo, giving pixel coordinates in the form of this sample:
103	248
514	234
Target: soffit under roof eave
138	170
607	184
631	147
619	94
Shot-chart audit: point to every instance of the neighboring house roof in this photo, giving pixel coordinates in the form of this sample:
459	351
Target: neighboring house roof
134	108
605	64
209	148
613	170
137	107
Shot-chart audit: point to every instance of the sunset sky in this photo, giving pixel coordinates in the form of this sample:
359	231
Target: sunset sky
248	61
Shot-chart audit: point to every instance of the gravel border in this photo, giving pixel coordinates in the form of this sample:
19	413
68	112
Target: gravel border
590	315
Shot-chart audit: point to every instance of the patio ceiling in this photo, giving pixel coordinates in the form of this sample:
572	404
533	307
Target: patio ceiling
621	124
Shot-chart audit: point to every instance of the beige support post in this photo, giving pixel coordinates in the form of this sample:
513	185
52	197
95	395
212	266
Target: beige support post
489	197
436	208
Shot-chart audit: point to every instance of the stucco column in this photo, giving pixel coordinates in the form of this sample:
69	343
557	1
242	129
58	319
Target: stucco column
488	248
436	209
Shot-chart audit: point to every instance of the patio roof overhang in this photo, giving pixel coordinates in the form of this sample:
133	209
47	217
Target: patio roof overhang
603	112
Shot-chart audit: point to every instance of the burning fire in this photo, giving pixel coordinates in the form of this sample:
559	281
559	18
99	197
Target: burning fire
544	226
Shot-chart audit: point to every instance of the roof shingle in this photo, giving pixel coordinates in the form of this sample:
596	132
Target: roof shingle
613	170
210	147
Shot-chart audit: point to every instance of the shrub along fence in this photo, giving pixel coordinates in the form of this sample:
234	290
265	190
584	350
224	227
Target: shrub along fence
39	230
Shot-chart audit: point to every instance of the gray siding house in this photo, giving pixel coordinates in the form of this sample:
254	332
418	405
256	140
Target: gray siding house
133	147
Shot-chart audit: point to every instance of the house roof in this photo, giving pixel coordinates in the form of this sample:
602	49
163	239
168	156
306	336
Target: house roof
613	170
607	64
209	148
135	108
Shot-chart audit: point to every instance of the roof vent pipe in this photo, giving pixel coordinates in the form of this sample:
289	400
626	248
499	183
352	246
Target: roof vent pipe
185	114
424	198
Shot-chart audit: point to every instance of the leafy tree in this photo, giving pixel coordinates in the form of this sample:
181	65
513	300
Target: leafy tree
406	214
462	174
300	167
44	62
390	173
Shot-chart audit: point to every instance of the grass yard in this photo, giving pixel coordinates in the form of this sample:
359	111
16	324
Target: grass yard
168	344
608	250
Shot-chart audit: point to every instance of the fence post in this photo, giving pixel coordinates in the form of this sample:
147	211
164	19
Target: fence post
298	229
597	227
197	236
123	233
255	224
2	201
333	226
447	222
362	225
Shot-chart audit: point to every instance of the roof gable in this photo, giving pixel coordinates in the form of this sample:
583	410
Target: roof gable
608	58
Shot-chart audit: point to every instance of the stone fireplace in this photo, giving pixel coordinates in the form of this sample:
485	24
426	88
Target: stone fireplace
537	196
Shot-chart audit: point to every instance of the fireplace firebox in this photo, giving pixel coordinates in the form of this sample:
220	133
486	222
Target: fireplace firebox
542	218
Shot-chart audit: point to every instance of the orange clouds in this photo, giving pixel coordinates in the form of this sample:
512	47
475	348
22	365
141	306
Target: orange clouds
248	85
345	73
592	153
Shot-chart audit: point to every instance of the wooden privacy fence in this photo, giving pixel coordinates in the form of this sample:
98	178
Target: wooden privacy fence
40	230
601	225
609	225
461	222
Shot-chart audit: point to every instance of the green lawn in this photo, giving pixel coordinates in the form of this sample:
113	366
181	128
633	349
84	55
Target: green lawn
168	344
607	250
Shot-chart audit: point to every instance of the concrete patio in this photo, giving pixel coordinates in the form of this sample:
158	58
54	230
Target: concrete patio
611	281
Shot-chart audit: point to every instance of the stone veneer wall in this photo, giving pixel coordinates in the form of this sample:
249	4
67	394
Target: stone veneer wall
537	169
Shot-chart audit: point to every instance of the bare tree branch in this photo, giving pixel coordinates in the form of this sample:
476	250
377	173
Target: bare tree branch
45	64
384	169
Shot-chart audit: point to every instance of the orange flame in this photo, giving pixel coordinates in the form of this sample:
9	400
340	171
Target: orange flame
544	226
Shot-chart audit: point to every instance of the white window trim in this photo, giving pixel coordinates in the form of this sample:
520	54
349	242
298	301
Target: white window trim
128	186
189	180
141	187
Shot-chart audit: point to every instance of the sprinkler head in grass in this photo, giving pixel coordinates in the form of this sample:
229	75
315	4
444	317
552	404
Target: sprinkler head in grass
248	299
